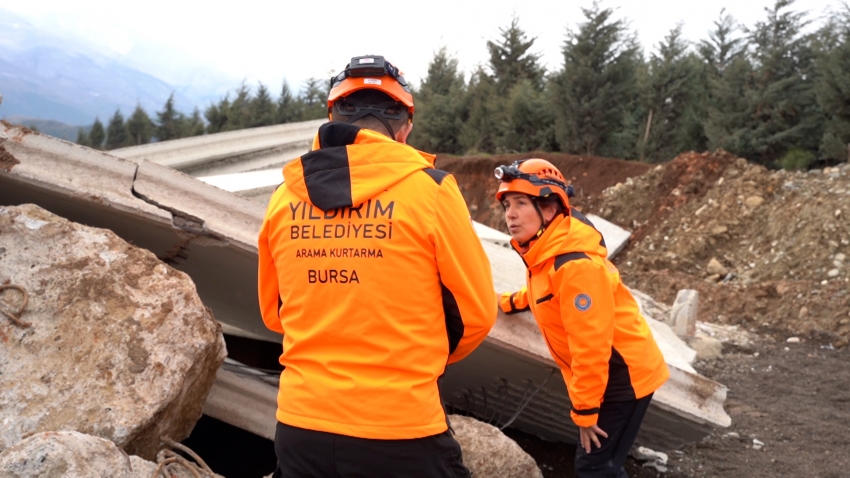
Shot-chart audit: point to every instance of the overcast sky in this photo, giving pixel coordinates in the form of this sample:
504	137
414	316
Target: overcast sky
271	40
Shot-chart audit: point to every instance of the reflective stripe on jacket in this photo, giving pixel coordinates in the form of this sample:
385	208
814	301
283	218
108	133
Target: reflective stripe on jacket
589	319
370	268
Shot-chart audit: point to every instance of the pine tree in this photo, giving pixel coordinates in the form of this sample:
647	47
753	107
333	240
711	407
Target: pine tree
83	137
116	131
287	110
97	134
193	125
723	46
217	115
139	127
529	123
440	107
596	93
480	131
729	123
239	113
511	61
169	121
314	98
784	107
673	98
262	108
833	87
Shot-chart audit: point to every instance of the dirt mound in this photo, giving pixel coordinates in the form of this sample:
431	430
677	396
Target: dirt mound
764	248
589	176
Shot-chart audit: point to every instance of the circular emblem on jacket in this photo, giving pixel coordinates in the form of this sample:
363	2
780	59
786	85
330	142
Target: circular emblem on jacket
582	302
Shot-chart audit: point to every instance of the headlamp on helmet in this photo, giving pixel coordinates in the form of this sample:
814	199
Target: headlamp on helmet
535	177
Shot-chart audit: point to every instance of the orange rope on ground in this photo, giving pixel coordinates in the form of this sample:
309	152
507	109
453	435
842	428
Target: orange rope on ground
170	457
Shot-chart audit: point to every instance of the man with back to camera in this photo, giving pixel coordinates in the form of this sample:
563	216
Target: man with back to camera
370	268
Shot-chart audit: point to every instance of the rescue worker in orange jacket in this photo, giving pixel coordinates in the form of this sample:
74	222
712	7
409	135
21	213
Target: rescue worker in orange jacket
370	268
589	319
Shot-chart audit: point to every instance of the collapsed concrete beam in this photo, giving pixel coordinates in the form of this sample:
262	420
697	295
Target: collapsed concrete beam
210	234
244	398
233	151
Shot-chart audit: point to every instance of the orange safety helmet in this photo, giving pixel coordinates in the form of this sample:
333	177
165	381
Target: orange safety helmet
371	71
536	177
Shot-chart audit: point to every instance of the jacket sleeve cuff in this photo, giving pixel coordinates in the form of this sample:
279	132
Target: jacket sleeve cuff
585	418
507	302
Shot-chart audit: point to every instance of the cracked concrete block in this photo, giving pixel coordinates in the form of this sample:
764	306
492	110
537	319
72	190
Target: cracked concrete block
684	313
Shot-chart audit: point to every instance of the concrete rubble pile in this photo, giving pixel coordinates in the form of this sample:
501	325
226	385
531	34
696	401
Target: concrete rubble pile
109	341
211	235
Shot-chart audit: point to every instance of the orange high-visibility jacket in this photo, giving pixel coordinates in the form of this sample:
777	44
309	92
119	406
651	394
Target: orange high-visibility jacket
370	268
590	321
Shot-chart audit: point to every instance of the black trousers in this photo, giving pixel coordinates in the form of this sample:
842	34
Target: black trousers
306	453
621	421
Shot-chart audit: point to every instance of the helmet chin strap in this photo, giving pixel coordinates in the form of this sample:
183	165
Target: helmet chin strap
539	231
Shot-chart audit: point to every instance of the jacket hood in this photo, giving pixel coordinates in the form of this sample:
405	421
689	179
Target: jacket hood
565	234
349	165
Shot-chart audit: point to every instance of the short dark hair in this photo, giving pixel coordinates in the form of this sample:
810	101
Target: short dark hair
551	200
373	97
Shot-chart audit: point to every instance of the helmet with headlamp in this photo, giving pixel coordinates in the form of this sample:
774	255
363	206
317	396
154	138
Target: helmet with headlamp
537	178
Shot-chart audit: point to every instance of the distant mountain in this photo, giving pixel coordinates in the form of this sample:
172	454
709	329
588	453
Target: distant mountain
46	76
57	129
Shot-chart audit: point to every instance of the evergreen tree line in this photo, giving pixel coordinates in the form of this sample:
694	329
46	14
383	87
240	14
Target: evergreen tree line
770	93
247	109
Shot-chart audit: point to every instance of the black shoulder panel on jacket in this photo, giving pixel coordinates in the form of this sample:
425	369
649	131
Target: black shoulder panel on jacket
570	256
328	178
454	323
436	174
336	133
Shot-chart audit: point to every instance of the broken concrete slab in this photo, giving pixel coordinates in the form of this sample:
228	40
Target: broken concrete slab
706	347
616	238
230	152
486	233
684	313
103	319
244	398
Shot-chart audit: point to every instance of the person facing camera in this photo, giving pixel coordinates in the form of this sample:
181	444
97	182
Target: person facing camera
589	319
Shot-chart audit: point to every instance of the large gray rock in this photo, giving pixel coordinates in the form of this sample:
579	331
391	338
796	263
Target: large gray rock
70	455
120	346
488	452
